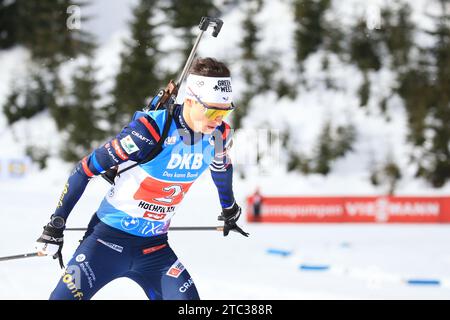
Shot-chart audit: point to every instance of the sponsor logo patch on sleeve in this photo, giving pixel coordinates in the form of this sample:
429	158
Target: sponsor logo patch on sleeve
176	269
128	145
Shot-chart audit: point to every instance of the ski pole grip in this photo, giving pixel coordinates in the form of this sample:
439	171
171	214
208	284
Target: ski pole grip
205	22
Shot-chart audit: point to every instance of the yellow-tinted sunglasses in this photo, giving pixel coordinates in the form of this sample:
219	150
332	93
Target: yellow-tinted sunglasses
211	112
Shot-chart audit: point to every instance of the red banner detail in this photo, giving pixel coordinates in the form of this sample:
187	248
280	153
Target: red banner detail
387	209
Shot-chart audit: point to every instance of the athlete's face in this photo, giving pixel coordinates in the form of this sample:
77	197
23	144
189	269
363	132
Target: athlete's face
197	119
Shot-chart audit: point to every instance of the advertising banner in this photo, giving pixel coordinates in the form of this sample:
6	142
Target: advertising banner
383	209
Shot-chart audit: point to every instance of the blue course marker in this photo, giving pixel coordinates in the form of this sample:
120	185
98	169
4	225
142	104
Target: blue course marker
278	252
423	282
311	267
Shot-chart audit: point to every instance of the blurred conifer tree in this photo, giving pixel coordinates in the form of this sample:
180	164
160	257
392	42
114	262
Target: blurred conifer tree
138	77
8	31
186	15
80	117
310	30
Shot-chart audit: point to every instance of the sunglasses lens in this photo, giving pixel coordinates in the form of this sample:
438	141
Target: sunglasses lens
213	114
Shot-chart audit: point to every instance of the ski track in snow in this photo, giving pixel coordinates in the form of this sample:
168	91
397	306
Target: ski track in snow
367	261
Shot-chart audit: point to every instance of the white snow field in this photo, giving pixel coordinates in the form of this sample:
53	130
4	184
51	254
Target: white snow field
365	261
360	261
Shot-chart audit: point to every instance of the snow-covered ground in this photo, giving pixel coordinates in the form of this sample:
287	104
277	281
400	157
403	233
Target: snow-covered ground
365	261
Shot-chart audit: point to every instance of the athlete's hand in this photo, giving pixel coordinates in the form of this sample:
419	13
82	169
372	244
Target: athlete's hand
230	217
51	241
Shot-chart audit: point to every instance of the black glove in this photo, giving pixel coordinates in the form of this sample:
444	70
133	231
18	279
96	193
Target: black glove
52	239
230	217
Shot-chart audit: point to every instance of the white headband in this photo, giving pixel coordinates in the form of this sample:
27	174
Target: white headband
209	89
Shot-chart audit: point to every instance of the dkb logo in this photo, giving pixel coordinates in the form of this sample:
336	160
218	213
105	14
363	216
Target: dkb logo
192	161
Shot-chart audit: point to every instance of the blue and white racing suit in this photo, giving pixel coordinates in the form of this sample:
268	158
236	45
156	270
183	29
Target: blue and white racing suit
127	237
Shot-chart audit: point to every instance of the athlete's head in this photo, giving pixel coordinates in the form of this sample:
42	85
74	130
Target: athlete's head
208	95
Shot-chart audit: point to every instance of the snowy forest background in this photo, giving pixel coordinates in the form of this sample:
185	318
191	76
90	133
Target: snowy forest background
355	89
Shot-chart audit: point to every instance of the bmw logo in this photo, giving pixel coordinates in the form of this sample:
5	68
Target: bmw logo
129	223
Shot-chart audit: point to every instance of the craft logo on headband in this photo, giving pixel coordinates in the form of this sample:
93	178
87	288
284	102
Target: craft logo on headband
210	89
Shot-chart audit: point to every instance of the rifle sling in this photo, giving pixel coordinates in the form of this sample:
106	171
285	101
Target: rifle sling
158	148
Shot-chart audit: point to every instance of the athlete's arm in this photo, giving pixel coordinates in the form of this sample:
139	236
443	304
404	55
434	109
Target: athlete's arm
221	168
222	175
133	143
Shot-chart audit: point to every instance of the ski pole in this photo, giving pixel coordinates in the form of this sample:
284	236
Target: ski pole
218	228
35	254
20	256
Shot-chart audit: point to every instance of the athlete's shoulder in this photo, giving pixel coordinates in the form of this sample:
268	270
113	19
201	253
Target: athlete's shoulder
148	124
158	116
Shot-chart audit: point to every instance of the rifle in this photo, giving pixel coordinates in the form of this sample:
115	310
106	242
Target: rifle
165	99
167	96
